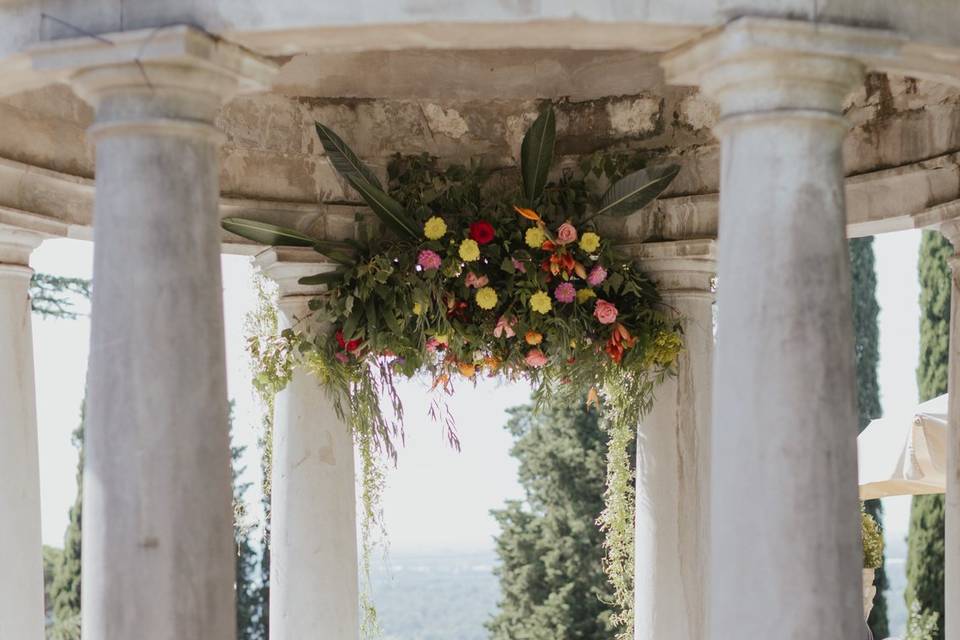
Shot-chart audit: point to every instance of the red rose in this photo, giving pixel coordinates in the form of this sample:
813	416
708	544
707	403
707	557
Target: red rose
482	232
340	341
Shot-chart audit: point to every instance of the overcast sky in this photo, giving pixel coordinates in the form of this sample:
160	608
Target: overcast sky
437	499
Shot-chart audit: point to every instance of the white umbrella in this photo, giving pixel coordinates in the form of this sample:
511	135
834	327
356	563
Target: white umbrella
905	454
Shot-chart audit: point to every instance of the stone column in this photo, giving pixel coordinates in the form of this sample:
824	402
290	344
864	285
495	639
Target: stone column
673	455
785	552
158	550
21	577
313	553
952	516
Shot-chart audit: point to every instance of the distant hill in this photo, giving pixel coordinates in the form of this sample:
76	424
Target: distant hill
440	596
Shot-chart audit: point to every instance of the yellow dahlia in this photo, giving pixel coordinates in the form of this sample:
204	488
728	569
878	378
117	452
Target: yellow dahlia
486	298
435	228
534	237
589	242
469	250
540	302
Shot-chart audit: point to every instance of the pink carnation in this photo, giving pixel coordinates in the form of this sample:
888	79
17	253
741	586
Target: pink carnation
605	312
565	292
535	358
596	276
519	266
428	260
566	234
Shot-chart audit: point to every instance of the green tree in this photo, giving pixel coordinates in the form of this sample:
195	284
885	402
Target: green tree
550	550
247	579
925	544
66	582
867	353
55	296
266	468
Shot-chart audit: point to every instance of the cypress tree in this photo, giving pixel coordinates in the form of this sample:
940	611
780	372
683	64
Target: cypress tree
550	549
65	589
867	357
925	544
247	583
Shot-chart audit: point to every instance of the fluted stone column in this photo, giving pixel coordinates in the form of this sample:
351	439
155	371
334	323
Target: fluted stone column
313	553
21	575
952	516
785	553
673	455
158	550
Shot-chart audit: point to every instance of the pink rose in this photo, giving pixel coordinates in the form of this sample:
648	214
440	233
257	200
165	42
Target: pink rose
475	281
566	234
519	266
432	344
535	358
605	312
342	357
428	260
596	276
565	292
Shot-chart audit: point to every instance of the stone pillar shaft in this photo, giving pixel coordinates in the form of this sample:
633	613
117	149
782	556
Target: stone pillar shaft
673	455
314	589
21	577
785	553
158	548
952	500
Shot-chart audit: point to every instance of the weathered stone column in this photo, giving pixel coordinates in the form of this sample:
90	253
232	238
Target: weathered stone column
21	577
952	516
673	455
785	553
158	551
313	552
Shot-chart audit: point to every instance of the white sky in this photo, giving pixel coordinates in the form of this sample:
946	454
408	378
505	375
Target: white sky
436	499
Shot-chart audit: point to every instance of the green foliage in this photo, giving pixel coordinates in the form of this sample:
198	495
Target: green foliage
536	154
66	583
925	549
51	561
867	358
922	625
249	609
637	190
55	296
551	553
872	540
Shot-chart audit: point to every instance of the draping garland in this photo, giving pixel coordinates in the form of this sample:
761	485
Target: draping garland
476	273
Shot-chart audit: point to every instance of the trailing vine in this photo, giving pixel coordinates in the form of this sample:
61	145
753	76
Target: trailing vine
478	273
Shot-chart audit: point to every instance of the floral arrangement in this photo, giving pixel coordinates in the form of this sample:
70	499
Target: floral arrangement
475	274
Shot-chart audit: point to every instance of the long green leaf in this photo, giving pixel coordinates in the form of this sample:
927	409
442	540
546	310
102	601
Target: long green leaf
386	208
636	190
342	157
341	252
327	277
265	233
536	154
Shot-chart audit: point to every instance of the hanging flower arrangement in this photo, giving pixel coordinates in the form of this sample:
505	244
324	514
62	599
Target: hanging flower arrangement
476	274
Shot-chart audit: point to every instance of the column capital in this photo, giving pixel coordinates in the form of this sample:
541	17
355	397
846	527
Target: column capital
185	73
286	265
680	267
764	64
16	245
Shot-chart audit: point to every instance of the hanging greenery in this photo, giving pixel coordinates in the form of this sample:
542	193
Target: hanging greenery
475	273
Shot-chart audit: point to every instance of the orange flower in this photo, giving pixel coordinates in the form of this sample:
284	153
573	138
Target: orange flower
529	214
533	338
467	370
